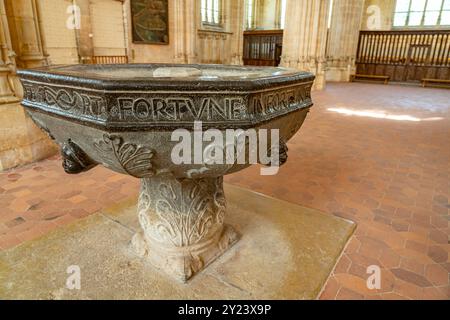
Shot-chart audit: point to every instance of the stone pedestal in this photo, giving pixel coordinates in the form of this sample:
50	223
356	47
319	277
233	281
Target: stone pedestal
182	223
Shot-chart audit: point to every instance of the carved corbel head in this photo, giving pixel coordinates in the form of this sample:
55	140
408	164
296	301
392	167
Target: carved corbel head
74	158
282	149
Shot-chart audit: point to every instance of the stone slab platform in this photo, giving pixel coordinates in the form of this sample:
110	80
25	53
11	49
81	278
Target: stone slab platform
285	252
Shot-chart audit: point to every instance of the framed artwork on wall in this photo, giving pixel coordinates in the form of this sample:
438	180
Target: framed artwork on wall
150	21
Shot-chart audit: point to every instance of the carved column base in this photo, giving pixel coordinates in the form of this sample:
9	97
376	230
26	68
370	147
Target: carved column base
182	224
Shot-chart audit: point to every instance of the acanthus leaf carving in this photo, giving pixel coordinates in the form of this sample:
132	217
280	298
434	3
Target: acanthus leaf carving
184	212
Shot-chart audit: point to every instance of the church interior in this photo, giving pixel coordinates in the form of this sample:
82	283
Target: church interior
374	149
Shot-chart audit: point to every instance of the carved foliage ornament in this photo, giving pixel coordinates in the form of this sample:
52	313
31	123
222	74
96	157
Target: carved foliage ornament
184	211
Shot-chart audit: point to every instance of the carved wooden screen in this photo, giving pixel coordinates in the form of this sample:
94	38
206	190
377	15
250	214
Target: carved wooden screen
263	47
404	55
109	59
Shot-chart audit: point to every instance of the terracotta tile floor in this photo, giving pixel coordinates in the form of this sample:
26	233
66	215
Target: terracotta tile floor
386	168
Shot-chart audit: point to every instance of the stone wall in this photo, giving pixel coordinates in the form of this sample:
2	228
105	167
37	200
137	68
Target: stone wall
270	15
23	44
223	46
189	40
142	53
378	15
107	25
266	15
61	42
21	141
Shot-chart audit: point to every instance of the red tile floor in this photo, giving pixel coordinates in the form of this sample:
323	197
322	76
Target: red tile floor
378	155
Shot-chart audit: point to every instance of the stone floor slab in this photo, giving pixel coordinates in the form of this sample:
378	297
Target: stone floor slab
285	252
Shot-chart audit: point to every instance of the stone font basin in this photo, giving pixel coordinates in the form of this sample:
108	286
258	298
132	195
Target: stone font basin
124	117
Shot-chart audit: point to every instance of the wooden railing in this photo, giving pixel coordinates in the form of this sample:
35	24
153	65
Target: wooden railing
108	60
263	47
404	55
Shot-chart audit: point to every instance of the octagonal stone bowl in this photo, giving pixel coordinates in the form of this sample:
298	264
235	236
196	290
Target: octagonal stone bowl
124	117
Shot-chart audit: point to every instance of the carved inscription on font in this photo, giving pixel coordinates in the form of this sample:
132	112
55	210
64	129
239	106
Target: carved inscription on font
182	107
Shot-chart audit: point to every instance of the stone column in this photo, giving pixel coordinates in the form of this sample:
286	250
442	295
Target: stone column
21	141
192	18
84	33
39	12
7	65
237	12
182	224
25	33
186	17
305	35
343	39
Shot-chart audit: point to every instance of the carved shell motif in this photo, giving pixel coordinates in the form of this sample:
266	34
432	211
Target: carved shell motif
133	159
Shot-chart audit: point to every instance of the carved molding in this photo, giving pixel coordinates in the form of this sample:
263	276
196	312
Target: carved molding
228	109
67	101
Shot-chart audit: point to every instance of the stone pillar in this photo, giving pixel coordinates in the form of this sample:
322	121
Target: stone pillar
237	11
343	39
305	35
192	18
186	17
25	33
182	223
39	12
7	64
84	33
21	141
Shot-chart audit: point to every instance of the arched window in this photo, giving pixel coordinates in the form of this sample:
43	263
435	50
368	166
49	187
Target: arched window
212	12
422	13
